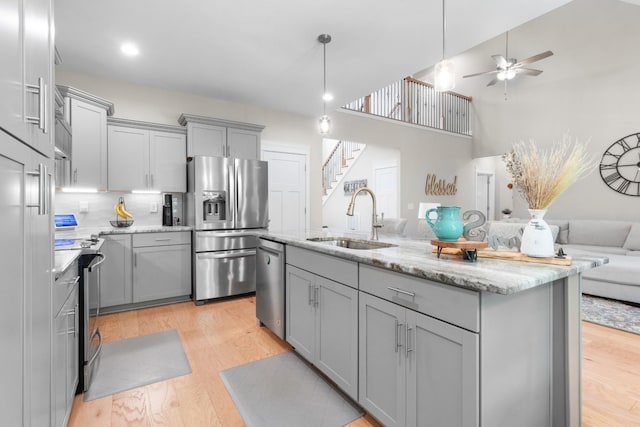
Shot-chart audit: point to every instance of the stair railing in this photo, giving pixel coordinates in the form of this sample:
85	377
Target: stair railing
336	162
414	101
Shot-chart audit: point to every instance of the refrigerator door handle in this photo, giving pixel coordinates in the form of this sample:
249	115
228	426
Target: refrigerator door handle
224	254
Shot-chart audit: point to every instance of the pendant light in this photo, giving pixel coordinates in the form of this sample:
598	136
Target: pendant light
445	78
324	123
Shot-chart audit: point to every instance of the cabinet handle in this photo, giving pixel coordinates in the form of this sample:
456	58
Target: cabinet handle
408	348
400	291
135	260
315	296
75	176
166	239
309	300
41	173
41	90
146	180
398	344
151	186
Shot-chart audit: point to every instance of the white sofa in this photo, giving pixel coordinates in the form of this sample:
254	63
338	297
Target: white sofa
617	240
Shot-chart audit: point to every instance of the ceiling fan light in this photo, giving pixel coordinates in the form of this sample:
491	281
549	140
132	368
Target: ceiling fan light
502	74
324	125
509	74
445	78
327	97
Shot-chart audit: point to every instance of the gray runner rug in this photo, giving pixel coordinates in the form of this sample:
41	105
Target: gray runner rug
138	361
284	391
611	313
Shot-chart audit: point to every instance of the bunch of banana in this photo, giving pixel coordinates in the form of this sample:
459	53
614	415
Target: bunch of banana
120	210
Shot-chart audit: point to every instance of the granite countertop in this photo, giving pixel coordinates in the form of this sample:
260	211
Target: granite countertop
415	258
87	232
63	259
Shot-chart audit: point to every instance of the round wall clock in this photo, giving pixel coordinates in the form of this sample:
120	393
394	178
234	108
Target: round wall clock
620	165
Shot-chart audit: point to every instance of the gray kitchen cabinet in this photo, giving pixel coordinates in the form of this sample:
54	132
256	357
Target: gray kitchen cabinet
221	138
146	156
161	265
322	321
65	357
26	74
143	267
88	119
116	286
416	370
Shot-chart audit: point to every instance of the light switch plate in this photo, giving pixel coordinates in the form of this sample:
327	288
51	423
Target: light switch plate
153	208
84	207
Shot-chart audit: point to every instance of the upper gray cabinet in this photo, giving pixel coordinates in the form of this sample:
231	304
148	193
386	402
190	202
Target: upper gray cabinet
26	48
87	115
222	138
146	156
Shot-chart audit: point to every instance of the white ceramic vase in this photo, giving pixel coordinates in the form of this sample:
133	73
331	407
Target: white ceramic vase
537	240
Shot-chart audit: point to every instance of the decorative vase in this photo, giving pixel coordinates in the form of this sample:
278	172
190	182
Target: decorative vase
537	240
448	226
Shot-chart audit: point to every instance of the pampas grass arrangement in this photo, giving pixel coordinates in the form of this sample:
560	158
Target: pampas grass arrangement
541	175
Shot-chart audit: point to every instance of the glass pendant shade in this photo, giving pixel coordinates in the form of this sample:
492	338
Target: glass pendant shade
324	125
445	78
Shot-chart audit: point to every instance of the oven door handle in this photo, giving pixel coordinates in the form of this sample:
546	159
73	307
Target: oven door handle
99	347
102	259
223	254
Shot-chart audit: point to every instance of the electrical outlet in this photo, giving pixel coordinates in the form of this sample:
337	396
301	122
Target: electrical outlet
84	207
154	207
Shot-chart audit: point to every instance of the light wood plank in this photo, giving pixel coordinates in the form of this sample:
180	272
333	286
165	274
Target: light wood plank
223	334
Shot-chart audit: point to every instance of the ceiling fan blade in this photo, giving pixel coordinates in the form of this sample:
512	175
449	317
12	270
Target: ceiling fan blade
492	82
501	61
528	71
533	58
480	74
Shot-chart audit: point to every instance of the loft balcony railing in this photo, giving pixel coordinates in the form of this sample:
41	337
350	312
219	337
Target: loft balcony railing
414	101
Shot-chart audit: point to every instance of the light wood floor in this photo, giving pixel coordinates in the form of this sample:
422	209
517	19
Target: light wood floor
224	334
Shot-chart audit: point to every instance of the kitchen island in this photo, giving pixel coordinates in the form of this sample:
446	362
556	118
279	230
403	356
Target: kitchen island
420	340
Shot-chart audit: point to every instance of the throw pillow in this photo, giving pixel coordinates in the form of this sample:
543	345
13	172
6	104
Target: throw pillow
633	239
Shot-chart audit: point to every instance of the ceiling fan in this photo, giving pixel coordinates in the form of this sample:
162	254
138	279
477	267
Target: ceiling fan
507	68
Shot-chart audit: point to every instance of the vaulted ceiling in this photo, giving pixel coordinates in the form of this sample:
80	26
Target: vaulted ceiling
267	53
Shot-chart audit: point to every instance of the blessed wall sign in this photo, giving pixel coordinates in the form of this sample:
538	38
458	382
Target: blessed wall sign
440	187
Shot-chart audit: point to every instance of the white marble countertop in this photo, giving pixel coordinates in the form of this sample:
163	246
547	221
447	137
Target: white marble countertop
415	257
87	232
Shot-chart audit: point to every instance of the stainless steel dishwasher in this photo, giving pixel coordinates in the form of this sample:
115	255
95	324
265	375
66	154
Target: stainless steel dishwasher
270	302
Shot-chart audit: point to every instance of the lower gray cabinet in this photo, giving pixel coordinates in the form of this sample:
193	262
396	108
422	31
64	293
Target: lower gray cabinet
116	286
143	267
64	345
161	272
416	370
322	325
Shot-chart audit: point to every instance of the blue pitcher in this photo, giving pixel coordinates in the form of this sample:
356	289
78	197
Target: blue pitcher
448	226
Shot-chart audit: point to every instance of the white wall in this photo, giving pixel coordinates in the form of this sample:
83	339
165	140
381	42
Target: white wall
422	151
334	209
589	87
156	105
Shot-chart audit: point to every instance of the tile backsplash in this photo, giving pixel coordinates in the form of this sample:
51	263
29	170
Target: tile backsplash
100	207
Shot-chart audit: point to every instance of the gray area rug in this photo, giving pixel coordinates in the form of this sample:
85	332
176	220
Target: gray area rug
138	361
611	313
284	391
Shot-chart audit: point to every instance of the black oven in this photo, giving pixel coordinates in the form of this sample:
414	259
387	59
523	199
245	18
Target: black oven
90	337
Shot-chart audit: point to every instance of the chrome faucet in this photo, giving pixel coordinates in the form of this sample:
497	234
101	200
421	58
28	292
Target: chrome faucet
375	225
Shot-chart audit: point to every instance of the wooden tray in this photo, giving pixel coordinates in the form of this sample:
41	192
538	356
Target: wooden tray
506	255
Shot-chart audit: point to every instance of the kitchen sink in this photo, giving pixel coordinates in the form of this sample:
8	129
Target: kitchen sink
350	243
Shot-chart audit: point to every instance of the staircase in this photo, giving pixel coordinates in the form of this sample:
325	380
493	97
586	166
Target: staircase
343	155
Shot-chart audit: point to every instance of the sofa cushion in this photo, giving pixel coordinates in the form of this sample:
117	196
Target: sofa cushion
563	233
633	253
621	269
593	249
633	239
600	233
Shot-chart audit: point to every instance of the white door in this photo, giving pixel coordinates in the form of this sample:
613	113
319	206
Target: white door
485	194
287	190
385	185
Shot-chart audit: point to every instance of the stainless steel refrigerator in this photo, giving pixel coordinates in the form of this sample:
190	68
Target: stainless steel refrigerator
227	201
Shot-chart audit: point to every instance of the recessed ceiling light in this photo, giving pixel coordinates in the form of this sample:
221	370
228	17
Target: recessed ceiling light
129	49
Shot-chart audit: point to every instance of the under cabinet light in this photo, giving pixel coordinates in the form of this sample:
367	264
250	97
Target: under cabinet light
145	192
78	190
